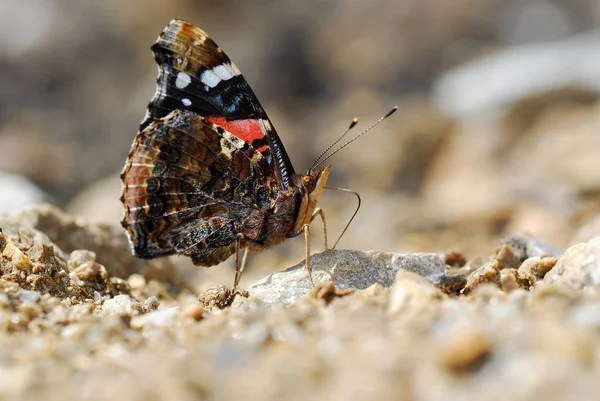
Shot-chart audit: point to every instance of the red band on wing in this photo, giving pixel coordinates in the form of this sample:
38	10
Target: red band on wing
247	130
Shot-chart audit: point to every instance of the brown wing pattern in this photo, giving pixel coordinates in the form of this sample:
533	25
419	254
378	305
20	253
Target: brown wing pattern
189	185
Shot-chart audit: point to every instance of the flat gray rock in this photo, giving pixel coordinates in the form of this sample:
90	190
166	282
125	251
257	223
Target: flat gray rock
348	269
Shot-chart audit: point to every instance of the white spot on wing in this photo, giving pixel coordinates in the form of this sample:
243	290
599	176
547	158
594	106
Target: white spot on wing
221	72
209	78
186	102
182	80
235	141
229	144
227	148
224	71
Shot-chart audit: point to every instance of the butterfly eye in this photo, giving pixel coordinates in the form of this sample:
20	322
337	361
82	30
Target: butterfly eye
309	183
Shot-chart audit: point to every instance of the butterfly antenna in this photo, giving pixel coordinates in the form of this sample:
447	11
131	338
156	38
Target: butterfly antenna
352	125
353	215
389	113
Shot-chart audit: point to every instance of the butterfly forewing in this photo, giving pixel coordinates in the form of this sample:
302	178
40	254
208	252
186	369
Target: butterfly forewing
196	75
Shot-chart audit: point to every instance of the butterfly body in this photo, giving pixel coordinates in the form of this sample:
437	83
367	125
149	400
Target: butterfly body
207	174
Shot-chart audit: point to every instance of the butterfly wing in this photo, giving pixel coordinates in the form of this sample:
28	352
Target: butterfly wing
188	187
194	74
206	163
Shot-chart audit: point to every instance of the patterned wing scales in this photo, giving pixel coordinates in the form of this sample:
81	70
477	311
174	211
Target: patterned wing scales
188	185
194	74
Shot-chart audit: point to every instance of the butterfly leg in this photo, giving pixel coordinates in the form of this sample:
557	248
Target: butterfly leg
240	264
319	212
306	229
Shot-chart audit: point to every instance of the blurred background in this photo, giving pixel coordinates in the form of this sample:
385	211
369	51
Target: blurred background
498	128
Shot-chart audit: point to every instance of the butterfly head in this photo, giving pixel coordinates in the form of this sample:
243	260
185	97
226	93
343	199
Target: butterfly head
315	180
311	186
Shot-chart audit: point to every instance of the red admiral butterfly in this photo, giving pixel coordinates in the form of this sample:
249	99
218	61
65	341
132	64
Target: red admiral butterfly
207	174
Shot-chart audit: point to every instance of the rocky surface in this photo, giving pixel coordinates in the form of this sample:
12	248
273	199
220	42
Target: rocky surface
522	324
351	269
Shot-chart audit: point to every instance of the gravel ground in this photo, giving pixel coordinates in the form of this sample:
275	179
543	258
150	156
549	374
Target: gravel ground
522	324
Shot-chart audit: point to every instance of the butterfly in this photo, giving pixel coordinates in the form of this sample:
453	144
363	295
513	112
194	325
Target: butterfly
207	174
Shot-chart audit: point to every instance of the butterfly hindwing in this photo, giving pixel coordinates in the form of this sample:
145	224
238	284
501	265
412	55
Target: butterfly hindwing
192	185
